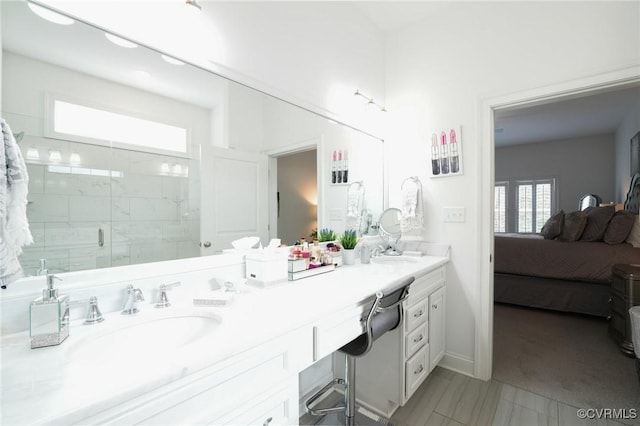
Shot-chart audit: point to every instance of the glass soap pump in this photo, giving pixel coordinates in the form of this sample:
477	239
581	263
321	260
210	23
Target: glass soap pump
49	315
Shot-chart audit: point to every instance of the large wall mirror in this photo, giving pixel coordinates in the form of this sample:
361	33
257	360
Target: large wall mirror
134	157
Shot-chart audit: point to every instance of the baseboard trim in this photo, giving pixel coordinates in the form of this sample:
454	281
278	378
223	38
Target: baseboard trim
458	363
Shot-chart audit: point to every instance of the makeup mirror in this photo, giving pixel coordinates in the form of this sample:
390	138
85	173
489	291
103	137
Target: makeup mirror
390	231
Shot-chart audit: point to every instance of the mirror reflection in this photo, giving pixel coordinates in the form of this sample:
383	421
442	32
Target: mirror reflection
134	157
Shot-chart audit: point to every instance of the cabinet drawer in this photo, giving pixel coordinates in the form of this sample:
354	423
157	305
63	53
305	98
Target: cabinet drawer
417	314
425	284
416	339
332	333
416	370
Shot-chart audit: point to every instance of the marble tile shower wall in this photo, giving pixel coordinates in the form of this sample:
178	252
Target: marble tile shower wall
147	205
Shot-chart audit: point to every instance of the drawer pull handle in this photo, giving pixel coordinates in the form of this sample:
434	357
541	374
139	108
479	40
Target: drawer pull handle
266	422
419	370
610	299
434	306
419	339
418	314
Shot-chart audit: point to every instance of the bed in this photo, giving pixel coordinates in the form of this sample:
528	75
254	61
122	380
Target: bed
530	270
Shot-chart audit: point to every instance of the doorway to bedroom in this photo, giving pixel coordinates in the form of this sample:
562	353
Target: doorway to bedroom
546	157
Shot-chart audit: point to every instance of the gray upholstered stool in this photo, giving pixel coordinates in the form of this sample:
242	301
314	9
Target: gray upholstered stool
385	315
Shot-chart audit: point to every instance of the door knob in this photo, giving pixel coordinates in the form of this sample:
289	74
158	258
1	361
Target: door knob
207	244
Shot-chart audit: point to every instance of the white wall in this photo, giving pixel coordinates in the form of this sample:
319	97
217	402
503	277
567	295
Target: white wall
627	129
313	53
438	74
580	166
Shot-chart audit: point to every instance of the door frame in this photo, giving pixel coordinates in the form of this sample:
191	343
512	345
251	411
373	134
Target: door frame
272	187
608	80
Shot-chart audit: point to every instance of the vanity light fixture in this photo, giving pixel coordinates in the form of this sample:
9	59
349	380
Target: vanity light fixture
120	41
74	158
33	154
50	15
370	102
193	3
172	60
55	155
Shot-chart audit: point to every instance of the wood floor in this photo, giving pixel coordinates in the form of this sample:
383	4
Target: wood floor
449	398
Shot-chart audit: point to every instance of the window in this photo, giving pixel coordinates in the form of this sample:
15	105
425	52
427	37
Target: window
72	119
523	205
500	207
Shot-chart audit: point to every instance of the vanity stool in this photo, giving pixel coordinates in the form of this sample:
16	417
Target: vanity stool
385	315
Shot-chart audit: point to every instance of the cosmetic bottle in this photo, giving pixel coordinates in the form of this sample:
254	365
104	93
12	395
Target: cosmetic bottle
339	166
444	154
435	155
455	161
49	316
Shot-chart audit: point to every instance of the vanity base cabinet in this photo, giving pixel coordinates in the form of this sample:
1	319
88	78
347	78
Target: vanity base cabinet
401	360
259	386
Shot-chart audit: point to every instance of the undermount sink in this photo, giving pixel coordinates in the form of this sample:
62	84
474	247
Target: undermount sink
143	337
393	260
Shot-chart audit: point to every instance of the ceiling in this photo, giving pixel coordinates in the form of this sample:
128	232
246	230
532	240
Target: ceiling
596	114
581	116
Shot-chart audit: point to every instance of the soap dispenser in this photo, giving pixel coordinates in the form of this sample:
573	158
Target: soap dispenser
49	316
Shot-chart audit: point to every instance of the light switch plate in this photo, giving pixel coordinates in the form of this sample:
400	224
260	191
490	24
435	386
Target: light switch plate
453	214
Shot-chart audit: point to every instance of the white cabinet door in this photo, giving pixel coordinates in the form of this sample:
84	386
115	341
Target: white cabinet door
436	326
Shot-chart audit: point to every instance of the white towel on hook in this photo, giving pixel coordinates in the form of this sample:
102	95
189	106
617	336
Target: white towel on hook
409	201
14	187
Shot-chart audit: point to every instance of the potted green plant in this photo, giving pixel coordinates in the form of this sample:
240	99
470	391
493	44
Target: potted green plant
326	235
348	241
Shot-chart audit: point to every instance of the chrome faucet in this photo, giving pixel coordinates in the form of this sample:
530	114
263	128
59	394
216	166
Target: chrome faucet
377	251
134	295
163	300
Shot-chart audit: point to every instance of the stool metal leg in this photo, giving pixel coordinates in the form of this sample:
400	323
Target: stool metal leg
350	394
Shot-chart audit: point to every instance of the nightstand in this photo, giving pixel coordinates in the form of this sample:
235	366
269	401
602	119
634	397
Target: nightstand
625	293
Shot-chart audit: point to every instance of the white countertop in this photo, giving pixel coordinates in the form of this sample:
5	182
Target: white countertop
44	386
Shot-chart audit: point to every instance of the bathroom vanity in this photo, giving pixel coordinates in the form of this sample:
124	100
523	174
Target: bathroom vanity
232	364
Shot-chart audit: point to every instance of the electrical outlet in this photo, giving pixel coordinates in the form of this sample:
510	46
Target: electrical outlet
453	214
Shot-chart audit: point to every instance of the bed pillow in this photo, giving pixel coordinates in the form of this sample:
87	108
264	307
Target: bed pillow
634	235
553	226
620	227
574	223
597	221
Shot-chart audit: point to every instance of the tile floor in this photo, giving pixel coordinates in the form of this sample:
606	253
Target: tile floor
449	398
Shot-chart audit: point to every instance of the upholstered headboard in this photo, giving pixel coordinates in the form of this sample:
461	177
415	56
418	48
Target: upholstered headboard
632	202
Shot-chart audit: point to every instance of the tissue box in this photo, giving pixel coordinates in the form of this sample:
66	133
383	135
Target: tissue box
266	268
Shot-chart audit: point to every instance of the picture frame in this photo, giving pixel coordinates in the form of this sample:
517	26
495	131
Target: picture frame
446	152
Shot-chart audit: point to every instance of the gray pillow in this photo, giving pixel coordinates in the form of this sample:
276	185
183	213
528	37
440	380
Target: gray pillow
553	226
619	227
573	227
597	221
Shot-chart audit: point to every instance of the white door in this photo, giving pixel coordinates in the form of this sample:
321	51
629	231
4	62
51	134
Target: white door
234	198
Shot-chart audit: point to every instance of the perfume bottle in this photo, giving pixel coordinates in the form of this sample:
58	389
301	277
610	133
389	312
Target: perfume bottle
49	316
444	154
435	155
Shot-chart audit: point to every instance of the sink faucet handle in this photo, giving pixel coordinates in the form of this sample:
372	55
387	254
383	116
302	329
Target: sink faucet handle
133	296
94	316
163	300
